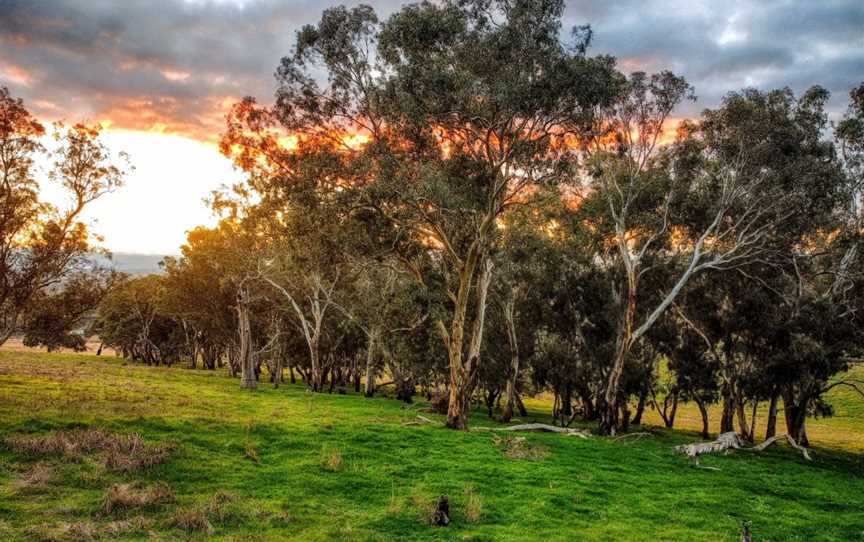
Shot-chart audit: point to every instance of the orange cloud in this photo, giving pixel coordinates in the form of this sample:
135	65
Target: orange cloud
172	75
15	74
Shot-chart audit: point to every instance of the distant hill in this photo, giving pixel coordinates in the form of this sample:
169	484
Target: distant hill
136	264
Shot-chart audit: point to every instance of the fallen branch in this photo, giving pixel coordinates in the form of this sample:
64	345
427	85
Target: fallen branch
637	435
774	439
542	427
732	441
419	421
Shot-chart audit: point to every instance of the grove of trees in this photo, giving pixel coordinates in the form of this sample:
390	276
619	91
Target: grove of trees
461	201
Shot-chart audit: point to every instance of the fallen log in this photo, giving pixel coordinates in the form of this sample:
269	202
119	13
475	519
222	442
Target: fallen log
732	441
723	443
542	427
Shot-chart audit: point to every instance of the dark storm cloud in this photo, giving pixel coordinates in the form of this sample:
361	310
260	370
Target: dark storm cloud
177	64
724	46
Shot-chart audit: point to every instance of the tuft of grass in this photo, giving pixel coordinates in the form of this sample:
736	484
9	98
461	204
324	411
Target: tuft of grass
250	453
193	520
473	505
223	509
331	460
423	503
514	447
126	496
134	525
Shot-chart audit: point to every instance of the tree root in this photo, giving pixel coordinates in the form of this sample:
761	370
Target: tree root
732	441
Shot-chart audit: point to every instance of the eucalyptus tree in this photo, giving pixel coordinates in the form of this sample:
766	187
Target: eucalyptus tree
41	245
446	115
131	322
485	109
63	316
383	302
849	133
728	194
201	288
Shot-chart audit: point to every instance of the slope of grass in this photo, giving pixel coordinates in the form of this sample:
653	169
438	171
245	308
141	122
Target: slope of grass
289	465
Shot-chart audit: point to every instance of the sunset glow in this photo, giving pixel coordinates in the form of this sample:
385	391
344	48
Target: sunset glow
162	89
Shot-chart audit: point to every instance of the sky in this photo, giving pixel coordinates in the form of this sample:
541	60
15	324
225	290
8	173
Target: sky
161	74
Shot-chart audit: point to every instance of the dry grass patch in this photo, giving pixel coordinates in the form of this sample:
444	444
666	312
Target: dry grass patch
193	520
38	476
222	509
122	453
63	532
126	496
514	447
137	524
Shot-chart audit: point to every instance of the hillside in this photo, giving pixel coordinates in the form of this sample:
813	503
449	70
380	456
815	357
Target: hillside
289	465
133	263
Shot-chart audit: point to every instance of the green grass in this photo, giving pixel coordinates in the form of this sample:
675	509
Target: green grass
298	466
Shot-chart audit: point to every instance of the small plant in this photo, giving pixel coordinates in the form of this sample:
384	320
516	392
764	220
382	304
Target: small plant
394	507
473	505
424	504
519	448
331	460
250	452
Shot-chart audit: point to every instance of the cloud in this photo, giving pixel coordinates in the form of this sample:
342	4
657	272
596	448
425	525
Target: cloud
174	66
724	46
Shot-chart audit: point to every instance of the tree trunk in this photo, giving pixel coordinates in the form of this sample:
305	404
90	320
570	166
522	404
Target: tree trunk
796	417
640	406
513	377
742	422
704	413
771	428
567	401
11	324
520	406
316	378
369	389
671	418
491	396
462	370
727	418
589	412
609	422
277	373
246	362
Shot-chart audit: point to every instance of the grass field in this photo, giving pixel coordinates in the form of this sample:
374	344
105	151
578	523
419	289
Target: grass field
289	465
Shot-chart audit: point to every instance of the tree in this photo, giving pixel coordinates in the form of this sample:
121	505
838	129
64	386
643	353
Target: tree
459	112
130	321
485	108
721	198
42	246
63	316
